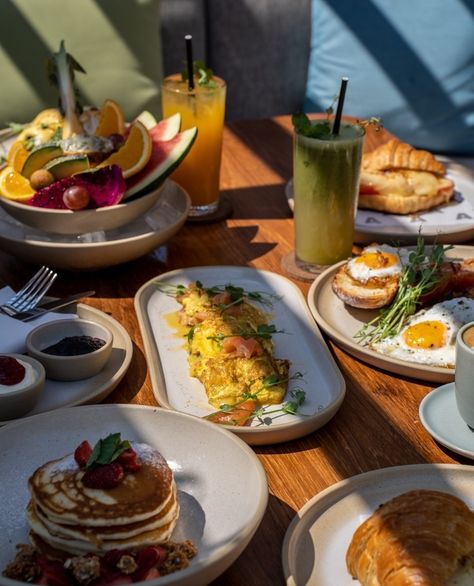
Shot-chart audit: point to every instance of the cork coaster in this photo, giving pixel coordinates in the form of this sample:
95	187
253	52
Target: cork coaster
223	212
300	270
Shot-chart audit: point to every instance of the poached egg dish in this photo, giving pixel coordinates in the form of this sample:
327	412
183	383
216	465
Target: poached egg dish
429	337
370	280
376	262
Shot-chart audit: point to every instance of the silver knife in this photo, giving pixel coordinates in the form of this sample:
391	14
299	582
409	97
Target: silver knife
52	305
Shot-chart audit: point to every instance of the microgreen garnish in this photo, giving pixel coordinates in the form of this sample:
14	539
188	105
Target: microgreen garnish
237	294
107	450
264	331
204	75
266	414
418	277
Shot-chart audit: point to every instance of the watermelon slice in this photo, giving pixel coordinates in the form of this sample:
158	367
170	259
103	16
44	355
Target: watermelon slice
165	157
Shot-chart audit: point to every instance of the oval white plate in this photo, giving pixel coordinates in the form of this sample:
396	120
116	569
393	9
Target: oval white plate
315	544
440	417
301	343
342	322
99	249
57	394
222	487
447	224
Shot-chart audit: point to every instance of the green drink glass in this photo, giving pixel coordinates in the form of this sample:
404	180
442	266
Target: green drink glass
326	175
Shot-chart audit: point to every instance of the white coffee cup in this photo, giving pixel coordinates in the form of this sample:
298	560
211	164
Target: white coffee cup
464	374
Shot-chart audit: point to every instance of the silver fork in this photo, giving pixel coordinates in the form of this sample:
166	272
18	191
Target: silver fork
31	294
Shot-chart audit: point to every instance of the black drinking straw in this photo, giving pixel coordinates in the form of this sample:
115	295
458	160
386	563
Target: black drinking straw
340	105
189	61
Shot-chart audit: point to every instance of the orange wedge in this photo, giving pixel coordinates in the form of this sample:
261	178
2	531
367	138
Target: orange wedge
111	119
15	186
17	155
135	152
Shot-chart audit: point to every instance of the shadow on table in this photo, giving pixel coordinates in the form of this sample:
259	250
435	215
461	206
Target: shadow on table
125	393
264	202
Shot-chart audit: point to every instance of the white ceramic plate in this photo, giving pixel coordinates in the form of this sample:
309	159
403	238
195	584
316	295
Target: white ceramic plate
98	249
451	223
440	417
302	344
57	394
221	484
342	322
315	544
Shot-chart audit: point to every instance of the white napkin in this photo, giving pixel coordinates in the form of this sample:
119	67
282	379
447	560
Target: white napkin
13	332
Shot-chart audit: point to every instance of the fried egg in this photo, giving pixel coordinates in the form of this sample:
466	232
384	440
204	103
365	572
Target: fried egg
377	261
430	335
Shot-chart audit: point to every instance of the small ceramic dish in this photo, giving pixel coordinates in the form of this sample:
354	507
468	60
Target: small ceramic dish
69	335
83	221
17	399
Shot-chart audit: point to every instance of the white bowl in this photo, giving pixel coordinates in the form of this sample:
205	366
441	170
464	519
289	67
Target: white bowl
82	221
74	366
21	398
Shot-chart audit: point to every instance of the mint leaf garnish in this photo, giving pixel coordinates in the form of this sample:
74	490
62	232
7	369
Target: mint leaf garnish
204	74
107	450
316	129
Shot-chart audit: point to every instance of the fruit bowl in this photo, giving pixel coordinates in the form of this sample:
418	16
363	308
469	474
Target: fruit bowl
82	221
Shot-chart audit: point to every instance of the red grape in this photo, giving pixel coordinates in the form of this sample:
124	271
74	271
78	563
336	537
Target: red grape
76	197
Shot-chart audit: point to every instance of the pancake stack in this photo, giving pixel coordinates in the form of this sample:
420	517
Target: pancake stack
65	515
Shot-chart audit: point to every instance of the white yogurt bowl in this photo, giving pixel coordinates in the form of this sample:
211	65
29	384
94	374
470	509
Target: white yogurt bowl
17	399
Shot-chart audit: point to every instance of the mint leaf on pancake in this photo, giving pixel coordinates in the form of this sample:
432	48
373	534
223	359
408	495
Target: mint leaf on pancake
107	450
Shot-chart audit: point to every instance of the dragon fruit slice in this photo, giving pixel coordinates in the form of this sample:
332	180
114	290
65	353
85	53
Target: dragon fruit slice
106	187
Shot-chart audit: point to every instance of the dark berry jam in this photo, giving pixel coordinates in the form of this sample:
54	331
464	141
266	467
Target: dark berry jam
11	371
74	346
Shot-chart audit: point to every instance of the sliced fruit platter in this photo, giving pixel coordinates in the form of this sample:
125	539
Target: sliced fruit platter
76	159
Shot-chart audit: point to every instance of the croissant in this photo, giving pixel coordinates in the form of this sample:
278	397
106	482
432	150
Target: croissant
400	155
417	539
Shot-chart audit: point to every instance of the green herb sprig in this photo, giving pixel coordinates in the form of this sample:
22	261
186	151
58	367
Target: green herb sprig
107	450
418	277
204	75
264	331
266	414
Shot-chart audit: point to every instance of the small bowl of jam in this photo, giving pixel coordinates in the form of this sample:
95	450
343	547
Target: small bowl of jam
70	349
21	382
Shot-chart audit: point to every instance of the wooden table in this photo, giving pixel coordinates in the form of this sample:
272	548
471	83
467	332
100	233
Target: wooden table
377	425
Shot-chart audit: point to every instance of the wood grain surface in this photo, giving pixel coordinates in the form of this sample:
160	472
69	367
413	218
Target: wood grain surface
377	425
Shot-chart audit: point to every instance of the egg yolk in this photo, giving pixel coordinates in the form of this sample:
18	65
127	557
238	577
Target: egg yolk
427	335
377	259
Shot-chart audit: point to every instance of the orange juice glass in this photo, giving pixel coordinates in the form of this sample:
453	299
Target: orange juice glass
203	107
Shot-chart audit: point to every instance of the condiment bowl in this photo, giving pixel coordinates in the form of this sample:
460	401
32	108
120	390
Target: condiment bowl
16	400
82	221
72	366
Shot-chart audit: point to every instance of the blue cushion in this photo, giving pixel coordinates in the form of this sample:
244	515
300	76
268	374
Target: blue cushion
409	61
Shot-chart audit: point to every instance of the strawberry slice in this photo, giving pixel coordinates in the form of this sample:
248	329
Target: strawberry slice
82	453
129	460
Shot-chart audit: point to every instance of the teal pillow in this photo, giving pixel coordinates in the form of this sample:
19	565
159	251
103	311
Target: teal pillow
409	61
117	42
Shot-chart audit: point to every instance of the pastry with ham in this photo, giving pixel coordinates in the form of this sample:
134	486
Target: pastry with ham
419	538
397	178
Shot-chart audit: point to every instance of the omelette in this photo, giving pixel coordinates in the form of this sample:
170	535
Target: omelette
230	348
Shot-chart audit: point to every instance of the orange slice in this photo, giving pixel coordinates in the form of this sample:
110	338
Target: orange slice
15	186
17	155
111	119
135	152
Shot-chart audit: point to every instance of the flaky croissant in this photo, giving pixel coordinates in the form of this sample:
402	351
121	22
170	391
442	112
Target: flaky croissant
416	539
400	155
